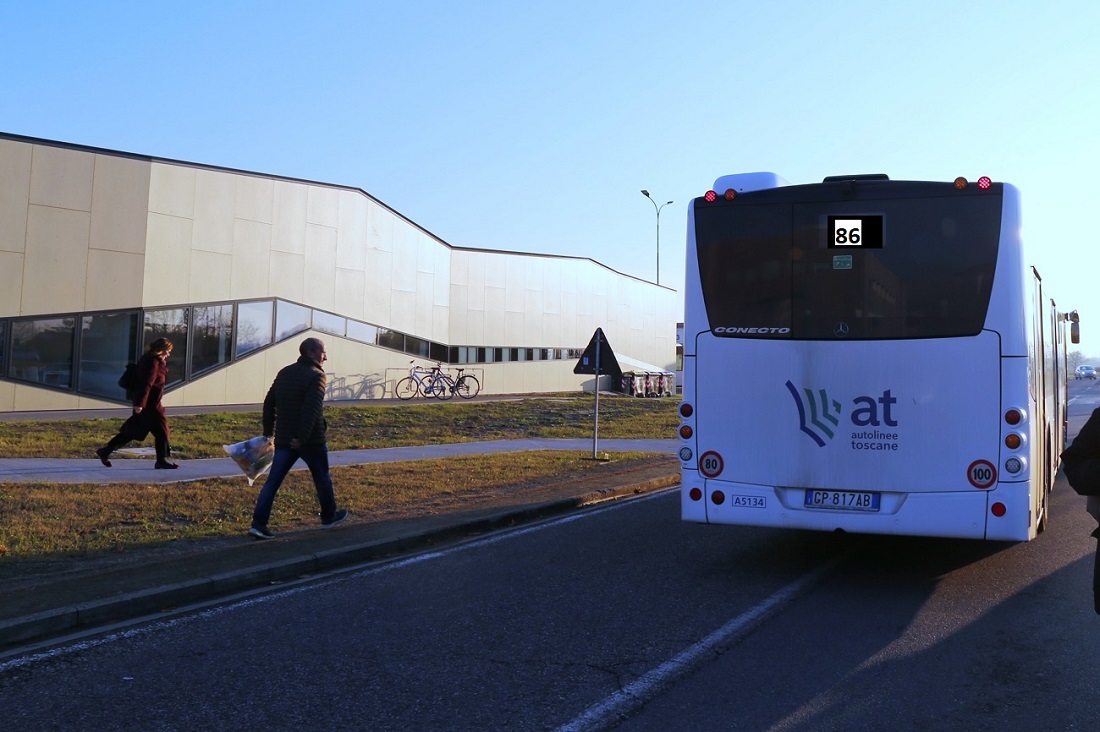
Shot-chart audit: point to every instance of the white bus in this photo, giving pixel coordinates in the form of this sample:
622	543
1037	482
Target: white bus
870	356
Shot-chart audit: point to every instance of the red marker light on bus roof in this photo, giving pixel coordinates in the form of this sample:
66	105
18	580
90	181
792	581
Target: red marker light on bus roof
730	194
710	196
984	182
961	183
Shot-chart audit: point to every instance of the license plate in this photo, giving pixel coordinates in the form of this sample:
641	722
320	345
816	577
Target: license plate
842	500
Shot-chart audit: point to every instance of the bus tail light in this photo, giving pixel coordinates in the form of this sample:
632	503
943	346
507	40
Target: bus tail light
1014	416
718	498
695	494
1013	441
686	431
998	509
686	410
1014	465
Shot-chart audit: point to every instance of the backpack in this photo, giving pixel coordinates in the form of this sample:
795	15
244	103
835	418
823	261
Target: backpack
128	380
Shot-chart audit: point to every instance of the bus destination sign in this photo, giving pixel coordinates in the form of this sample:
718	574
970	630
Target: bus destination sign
862	231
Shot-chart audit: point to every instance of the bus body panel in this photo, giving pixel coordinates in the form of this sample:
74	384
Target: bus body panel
917	427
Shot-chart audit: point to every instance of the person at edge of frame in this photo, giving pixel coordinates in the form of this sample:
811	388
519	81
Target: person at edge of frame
1081	464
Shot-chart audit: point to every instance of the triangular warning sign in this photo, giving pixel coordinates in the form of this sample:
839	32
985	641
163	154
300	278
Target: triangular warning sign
599	350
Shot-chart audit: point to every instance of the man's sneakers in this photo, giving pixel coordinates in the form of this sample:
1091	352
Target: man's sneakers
337	518
261	532
164	465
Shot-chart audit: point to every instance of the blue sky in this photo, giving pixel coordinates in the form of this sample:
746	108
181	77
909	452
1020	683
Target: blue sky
533	127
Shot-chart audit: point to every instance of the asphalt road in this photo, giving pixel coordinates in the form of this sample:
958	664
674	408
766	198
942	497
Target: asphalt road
618	616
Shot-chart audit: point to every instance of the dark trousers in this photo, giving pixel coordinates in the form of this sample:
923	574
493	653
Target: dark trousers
316	459
138	426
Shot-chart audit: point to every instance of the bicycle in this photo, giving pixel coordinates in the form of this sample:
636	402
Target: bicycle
420	381
466	385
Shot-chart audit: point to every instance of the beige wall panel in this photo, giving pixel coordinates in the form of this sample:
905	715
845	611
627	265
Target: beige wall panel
402	312
320	267
551	331
534	320
351	239
424	306
475	330
7	396
475	271
246	383
404	270
211	277
61	178
30	399
215	200
251	260
172	190
167	277
441	325
458	322
120	200
15	194
210	389
494	316
255	199
381	224
287	276
323	206
442	280
377	302
289	233
11	283
115	280
351	293
496	270
56	264
460	267
514	334
426	250
475	293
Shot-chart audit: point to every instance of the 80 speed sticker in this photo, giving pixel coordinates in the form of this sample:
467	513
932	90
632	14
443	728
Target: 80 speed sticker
710	464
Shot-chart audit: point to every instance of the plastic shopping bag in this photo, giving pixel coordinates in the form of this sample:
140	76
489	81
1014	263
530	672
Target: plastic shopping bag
254	456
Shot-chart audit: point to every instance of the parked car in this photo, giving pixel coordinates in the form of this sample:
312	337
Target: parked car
1085	372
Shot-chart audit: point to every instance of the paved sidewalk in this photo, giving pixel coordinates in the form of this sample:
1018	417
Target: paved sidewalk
52	603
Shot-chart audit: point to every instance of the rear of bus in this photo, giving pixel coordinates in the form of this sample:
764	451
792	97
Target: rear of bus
855	356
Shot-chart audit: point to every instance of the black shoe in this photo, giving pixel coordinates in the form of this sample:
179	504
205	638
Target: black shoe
337	518
103	454
165	465
261	532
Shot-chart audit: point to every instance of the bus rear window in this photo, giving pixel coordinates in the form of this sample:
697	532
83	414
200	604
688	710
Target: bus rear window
767	271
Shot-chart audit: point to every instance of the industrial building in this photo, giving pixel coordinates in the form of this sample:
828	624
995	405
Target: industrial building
103	251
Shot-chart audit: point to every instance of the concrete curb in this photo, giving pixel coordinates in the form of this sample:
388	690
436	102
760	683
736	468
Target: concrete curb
44	625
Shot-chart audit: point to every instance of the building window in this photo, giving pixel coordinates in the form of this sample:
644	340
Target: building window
3	347
212	337
416	346
254	325
391	339
438	352
170	323
362	332
42	351
291	319
329	323
107	344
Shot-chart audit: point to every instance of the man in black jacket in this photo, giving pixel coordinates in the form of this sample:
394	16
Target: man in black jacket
1081	464
294	415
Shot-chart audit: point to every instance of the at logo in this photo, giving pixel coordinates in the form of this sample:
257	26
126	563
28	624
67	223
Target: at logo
819	416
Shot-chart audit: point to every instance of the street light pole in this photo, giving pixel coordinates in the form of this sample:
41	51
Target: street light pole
658	210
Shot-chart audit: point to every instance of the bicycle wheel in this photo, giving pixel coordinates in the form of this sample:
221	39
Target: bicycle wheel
406	388
467	386
444	387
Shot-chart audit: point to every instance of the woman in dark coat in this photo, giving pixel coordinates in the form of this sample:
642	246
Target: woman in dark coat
149	415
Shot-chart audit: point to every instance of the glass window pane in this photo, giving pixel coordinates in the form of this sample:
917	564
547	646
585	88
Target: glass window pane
42	351
416	346
170	324
107	344
254	326
291	319
212	337
391	339
362	332
4	327
329	323
438	352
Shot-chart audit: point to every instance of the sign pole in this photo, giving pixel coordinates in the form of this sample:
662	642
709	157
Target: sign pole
596	388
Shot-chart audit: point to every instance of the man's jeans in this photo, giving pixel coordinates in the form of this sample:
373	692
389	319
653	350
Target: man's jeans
316	458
